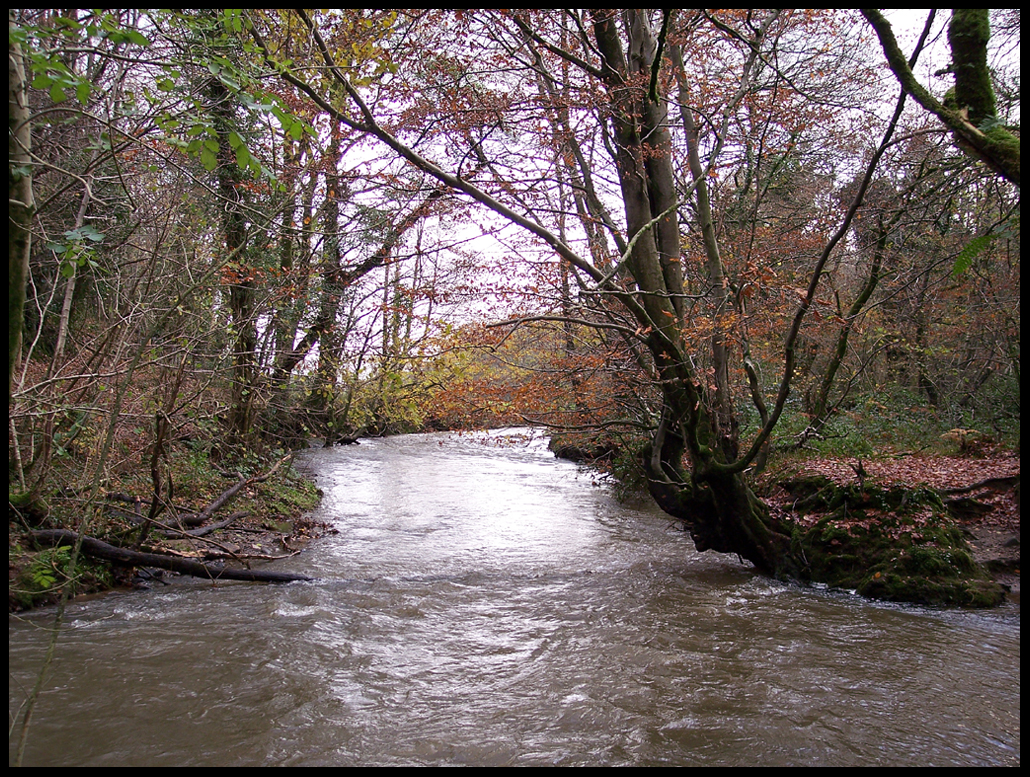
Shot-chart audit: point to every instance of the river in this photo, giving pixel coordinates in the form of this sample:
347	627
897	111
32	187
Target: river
486	604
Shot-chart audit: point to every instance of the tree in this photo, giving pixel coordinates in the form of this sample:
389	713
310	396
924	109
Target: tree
21	204
621	57
969	110
237	194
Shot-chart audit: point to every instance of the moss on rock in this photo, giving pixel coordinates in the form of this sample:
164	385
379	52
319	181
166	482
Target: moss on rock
895	543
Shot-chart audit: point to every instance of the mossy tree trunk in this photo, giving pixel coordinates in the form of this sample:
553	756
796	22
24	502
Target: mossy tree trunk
970	116
240	275
713	499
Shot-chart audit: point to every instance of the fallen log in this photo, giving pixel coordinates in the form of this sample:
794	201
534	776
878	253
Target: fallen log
170	531
103	550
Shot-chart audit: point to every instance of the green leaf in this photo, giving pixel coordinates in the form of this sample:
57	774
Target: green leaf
209	160
232	83
64	21
284	119
134	36
57	94
965	257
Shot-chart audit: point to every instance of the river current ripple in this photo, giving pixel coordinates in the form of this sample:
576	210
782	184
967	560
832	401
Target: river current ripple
485	604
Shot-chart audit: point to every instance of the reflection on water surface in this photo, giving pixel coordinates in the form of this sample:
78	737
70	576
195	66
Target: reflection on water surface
486	604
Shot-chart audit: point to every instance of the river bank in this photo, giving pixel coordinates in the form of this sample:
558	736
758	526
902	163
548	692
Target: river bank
924	528
981	494
253	515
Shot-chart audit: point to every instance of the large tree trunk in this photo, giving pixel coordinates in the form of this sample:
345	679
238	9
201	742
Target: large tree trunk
241	281
20	205
713	500
717	508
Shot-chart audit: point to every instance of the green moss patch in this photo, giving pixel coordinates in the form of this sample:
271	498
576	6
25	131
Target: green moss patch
897	544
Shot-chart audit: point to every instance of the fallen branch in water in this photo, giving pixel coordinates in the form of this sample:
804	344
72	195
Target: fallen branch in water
100	549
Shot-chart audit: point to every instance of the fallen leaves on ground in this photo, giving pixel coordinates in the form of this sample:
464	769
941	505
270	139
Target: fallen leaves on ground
992	533
940	472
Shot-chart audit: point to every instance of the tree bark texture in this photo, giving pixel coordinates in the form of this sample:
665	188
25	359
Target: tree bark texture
716	504
241	284
21	206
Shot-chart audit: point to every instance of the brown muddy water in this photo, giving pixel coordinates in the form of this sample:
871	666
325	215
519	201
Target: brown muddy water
485	604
